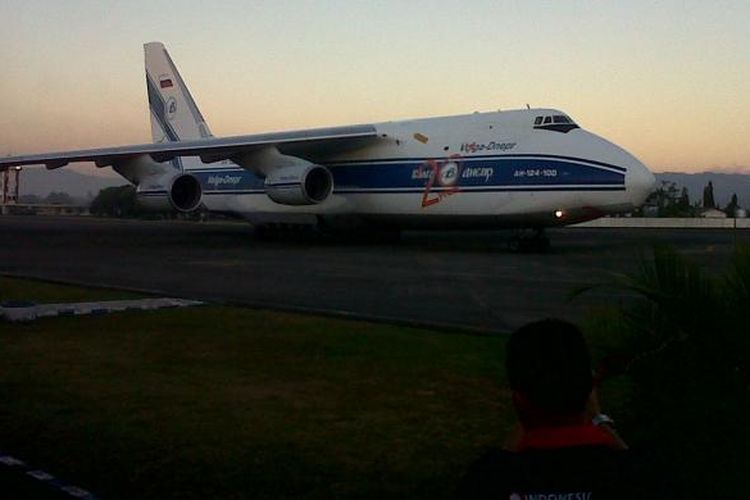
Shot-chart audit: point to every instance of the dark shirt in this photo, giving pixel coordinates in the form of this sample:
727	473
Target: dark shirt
560	471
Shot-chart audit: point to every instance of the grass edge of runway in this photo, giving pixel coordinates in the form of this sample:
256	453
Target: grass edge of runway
78	388
85	291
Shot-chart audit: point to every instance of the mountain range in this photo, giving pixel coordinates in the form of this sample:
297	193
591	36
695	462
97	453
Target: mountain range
41	182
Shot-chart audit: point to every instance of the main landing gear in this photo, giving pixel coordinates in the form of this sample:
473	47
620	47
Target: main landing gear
529	241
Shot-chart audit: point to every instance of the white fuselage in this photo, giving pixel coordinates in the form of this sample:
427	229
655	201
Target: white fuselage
479	170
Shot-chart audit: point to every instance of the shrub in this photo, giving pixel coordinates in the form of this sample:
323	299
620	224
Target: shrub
685	339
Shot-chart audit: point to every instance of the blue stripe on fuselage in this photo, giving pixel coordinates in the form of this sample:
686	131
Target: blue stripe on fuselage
499	173
484	157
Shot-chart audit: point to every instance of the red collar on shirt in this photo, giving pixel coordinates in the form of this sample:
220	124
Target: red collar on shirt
565	437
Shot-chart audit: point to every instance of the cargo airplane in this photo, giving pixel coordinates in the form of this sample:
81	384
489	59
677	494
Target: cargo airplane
526	169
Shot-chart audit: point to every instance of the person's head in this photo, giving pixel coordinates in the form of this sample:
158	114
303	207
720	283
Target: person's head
549	371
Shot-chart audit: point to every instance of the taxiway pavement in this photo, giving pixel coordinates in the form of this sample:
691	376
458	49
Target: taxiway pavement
452	279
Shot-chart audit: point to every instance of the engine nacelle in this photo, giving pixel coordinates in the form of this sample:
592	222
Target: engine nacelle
306	184
183	193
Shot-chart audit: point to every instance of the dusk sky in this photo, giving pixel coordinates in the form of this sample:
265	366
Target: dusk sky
667	80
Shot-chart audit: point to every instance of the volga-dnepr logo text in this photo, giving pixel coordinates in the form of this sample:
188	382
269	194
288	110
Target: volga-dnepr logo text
478	147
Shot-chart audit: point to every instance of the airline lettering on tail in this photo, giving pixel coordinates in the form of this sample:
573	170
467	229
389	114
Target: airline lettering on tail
166	83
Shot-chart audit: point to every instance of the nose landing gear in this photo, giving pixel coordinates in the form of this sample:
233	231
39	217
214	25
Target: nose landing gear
529	241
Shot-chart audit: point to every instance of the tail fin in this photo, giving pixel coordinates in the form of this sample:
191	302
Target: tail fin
174	114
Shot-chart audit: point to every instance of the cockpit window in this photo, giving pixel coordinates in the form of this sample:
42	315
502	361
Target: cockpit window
556	123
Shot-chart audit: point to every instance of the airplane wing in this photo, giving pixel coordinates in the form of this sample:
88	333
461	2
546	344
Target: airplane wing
308	144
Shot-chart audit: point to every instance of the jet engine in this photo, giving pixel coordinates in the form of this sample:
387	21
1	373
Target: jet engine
306	184
183	193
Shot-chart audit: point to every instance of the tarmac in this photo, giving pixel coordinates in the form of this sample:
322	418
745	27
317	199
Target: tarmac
467	281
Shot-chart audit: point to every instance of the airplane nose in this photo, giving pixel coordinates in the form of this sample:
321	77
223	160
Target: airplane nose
640	183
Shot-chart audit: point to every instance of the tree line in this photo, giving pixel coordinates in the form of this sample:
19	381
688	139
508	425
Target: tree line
671	201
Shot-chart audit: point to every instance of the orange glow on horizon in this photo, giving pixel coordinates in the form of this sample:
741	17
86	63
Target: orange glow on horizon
666	82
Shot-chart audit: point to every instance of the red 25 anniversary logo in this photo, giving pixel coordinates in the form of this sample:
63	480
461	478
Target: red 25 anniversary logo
444	174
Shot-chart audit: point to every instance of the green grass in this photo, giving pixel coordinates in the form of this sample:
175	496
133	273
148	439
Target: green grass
226	402
233	403
17	289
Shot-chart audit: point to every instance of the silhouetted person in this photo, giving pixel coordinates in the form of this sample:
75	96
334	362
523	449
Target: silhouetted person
566	448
